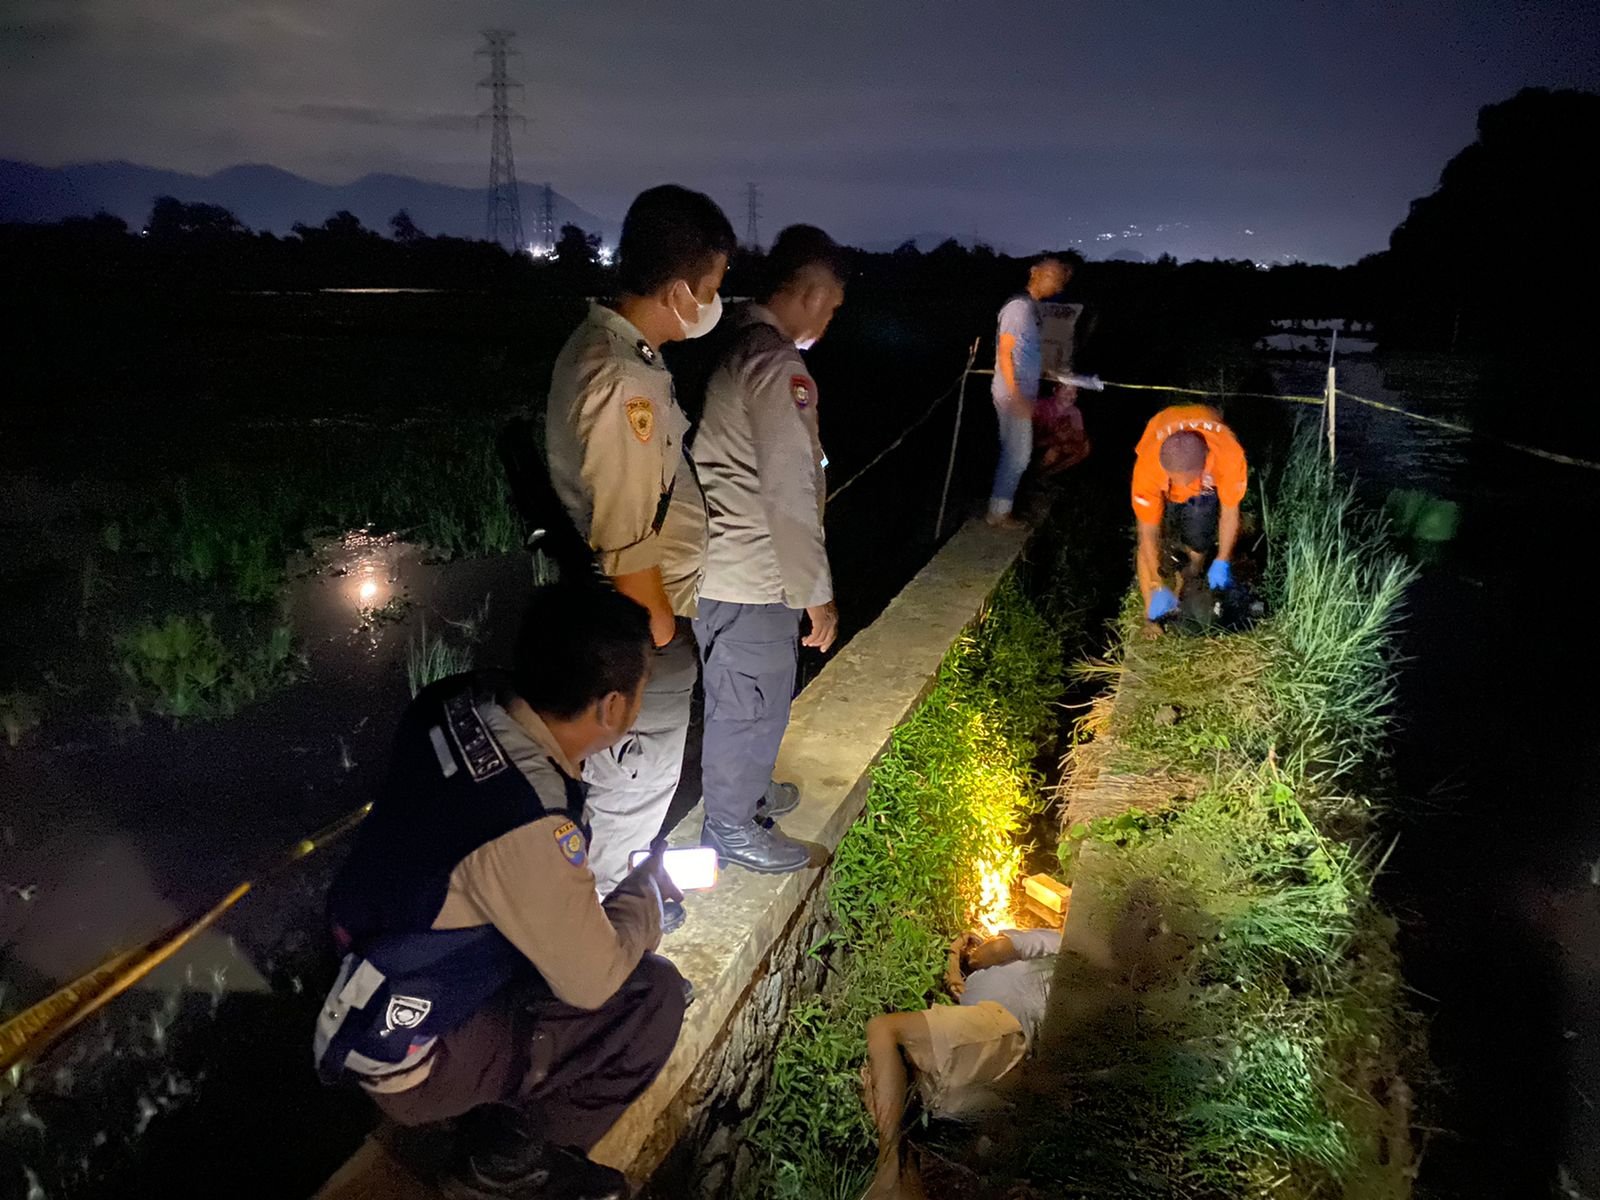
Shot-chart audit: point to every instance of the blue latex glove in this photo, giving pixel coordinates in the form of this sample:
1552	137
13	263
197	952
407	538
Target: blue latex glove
1163	603
1220	576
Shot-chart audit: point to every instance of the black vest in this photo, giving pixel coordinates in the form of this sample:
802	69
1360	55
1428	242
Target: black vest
451	788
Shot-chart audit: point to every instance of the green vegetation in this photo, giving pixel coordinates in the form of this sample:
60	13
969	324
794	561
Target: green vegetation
183	668
946	812
223	538
430	659
1257	1053
234	525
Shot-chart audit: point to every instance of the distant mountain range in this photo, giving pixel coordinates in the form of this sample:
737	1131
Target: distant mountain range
265	198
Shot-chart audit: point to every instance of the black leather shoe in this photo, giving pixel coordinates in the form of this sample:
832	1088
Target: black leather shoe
780	798
758	846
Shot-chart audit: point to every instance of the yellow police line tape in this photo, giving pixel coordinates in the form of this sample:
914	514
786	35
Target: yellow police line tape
32	1031
1213	393
1453	426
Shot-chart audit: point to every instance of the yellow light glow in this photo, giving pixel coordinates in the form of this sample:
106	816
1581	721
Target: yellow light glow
369	591
994	898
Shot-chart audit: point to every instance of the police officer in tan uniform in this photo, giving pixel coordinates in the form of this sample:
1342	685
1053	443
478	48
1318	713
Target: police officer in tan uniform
615	438
760	459
482	978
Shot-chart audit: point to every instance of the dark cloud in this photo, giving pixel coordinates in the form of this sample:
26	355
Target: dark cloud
362	114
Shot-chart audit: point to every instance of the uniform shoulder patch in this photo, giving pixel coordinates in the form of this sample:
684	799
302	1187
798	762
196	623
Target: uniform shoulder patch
405	1012
801	389
641	418
569	840
646	351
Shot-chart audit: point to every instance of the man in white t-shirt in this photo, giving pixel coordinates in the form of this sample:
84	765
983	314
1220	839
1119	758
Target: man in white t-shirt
1018	364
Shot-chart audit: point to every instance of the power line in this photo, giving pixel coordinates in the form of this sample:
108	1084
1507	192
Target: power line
504	223
752	224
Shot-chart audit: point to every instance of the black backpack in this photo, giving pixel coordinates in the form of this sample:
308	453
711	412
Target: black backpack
547	527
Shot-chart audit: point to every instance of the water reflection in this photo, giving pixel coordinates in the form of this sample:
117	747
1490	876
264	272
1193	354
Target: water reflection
369	568
1391	450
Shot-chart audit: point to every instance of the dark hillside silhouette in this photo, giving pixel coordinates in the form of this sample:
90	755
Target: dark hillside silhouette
1506	249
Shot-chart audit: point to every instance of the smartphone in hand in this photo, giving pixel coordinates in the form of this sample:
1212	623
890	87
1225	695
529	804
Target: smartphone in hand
691	868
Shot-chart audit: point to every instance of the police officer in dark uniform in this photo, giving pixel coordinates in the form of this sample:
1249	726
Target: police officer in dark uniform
482	977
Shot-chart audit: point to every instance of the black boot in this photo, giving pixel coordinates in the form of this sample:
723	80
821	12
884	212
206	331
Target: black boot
758	846
503	1157
779	798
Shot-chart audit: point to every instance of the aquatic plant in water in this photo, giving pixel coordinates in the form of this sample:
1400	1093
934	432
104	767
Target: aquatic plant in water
430	659
182	668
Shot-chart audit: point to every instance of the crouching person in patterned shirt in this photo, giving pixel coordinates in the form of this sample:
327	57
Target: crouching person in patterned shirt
482	977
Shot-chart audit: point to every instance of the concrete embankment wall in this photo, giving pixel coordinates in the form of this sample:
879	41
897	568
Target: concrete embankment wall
745	944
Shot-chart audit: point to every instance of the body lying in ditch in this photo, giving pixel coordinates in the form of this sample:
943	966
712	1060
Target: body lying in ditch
952	1056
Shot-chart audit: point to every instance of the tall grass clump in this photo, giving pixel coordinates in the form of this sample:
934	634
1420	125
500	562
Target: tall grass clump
1335	586
1255	1054
946	811
430	659
1312	684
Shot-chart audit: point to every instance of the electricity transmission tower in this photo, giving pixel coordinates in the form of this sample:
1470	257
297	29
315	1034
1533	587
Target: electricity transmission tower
752	223
504	223
547	219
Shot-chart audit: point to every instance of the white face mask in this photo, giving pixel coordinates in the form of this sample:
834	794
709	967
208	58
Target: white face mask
706	318
804	343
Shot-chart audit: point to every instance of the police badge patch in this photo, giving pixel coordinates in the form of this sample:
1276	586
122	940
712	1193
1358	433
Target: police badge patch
800	389
405	1012
641	418
569	840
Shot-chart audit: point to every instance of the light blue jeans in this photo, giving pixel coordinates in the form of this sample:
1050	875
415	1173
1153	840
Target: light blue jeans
1016	448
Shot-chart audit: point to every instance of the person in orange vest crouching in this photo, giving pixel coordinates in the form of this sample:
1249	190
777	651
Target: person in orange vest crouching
1189	477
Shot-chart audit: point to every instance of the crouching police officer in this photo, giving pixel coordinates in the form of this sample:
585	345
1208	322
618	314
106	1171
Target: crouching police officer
759	456
481	973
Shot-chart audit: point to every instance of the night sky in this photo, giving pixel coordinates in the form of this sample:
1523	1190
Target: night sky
1311	125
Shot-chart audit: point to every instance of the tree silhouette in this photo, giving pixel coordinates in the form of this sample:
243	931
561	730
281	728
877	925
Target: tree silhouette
574	246
171	218
1489	256
403	229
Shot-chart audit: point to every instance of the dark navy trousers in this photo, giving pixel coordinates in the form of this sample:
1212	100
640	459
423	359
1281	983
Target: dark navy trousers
748	656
